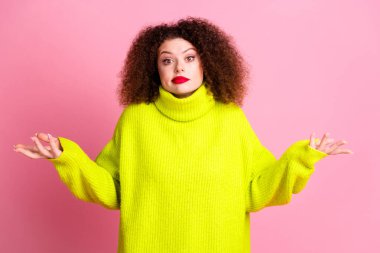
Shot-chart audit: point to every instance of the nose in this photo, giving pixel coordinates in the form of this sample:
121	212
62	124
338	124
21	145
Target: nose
179	68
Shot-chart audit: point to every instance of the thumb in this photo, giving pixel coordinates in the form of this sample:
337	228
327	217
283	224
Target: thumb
44	137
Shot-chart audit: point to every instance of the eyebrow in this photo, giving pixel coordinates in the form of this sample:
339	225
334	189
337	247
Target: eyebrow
182	52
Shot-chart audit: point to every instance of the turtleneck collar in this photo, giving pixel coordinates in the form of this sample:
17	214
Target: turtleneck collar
185	109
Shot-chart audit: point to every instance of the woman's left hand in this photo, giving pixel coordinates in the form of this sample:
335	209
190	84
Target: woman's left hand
328	145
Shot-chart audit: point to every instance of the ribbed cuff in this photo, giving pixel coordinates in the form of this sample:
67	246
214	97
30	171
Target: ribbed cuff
68	160
307	154
69	147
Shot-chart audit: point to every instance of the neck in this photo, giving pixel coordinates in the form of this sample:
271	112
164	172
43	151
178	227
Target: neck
188	108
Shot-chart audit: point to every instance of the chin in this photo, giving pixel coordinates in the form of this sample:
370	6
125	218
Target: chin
183	94
181	88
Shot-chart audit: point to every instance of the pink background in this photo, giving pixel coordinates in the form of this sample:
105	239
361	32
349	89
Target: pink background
315	67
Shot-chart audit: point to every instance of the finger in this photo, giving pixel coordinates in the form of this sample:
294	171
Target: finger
323	141
341	151
40	147
329	142
54	146
43	137
312	140
28	153
28	147
338	144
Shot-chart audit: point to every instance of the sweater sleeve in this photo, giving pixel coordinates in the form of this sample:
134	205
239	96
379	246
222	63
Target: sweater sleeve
90	180
273	181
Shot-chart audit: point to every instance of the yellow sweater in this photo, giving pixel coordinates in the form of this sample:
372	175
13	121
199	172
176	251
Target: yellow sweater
185	174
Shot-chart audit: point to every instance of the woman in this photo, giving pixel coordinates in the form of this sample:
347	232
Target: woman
183	166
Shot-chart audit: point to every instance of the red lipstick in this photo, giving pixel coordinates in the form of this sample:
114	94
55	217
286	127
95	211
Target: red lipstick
179	79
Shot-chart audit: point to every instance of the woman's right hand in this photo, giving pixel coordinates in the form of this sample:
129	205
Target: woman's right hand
53	150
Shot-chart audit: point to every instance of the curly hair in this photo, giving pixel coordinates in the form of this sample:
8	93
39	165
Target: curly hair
225	72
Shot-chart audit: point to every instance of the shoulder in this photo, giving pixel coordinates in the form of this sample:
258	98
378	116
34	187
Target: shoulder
135	110
240	120
235	117
231	110
129	117
135	113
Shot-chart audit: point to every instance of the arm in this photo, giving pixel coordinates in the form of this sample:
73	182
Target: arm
92	181
272	182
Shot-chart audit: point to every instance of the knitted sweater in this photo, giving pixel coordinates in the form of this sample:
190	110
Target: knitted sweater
185	174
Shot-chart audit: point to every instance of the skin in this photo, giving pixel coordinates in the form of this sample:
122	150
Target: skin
178	57
175	58
39	150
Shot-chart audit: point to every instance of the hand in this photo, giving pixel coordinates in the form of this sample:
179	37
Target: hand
328	146
38	150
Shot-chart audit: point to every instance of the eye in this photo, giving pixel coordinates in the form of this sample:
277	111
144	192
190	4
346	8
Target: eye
191	57
166	61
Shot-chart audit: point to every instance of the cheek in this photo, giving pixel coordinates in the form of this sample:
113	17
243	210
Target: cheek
200	71
162	72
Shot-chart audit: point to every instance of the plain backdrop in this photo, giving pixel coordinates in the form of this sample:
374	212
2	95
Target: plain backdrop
314	67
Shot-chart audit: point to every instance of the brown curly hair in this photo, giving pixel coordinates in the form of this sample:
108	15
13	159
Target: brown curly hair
224	70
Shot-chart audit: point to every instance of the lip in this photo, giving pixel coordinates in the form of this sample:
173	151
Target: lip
179	79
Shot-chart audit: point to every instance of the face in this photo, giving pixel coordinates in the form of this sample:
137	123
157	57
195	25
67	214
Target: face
179	58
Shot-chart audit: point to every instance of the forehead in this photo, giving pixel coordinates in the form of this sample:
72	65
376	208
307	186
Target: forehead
177	45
